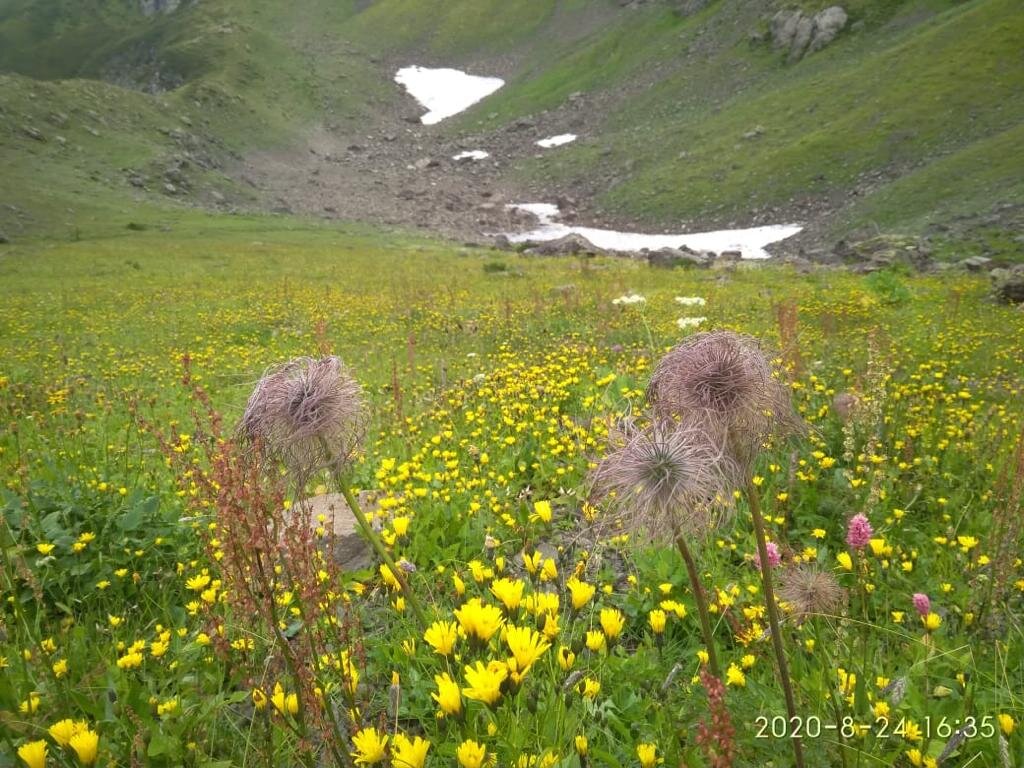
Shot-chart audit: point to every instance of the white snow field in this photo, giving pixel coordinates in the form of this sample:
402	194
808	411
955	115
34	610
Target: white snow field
749	242
445	92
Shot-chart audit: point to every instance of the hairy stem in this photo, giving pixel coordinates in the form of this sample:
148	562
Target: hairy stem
702	603
773	618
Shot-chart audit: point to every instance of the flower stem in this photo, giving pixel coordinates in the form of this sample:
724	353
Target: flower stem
773	617
702	603
382	552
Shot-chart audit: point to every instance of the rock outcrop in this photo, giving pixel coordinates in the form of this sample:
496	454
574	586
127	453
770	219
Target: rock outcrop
798	34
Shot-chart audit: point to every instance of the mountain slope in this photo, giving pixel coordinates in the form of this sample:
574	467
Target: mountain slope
686	115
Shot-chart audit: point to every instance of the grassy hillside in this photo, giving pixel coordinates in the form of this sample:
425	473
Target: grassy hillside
912	115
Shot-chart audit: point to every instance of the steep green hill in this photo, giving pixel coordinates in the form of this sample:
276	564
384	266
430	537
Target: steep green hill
685	111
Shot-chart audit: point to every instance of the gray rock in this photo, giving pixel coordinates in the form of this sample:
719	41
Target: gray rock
1008	284
667	258
170	189
344	542
827	25
783	28
801	38
568	245
976	263
797	34
32	133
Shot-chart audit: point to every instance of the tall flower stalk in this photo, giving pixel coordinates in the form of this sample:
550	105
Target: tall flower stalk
725	380
671	481
309	414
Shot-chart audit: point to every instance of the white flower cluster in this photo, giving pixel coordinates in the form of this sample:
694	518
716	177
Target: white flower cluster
691	301
629	298
689	322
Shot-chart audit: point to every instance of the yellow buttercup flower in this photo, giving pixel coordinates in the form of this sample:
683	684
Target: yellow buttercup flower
33	754
580	592
931	622
526	645
566	658
657	620
86	744
285	703
647	754
612	622
406	753
478	620
485	682
442	636
471	754
541	512
734	676
63	730
45	548
448	696
1006	723
370	746
508	591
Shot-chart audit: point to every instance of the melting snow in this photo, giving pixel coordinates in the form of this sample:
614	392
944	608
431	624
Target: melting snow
472	154
749	242
445	92
557	141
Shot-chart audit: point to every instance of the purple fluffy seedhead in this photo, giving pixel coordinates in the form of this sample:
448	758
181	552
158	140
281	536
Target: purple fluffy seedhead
307	413
810	590
727	380
668	479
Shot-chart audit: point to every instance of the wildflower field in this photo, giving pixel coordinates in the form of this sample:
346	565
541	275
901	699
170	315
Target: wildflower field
166	601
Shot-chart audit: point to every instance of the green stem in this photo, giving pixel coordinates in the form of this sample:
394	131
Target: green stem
382	552
773	617
702	604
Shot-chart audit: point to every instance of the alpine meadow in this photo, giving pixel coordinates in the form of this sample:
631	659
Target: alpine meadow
512	384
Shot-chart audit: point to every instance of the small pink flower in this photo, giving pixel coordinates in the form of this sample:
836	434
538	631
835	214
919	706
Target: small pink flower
858	532
774	556
922	603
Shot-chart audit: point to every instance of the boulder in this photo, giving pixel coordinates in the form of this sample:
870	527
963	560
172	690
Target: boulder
568	245
1008	284
827	25
667	258
344	542
976	263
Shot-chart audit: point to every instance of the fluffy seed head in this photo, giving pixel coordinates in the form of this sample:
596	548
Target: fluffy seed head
668	479
726	379
308	413
810	590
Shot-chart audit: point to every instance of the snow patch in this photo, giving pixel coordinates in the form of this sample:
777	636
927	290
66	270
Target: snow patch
749	242
445	92
472	154
557	141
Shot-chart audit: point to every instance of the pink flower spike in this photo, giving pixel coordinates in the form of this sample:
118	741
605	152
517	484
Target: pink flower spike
922	603
774	556
858	532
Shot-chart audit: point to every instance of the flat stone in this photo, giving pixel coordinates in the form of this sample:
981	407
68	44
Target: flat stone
344	542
